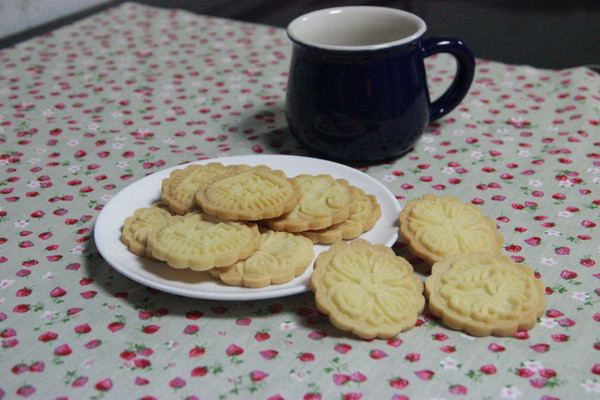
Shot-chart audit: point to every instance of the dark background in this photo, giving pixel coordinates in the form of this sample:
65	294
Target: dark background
541	33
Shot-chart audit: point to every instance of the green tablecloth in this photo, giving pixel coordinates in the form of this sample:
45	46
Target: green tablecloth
91	107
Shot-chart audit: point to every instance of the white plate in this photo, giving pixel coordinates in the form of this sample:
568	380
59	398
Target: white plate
146	191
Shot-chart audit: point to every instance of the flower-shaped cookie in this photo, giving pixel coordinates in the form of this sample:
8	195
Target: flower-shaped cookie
436	227
483	294
367	289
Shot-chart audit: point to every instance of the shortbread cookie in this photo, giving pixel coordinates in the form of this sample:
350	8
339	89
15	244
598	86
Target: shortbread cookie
281	257
137	227
363	219
367	289
436	227
483	294
252	194
325	201
178	191
200	242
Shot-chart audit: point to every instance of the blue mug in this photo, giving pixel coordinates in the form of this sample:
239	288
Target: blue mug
357	89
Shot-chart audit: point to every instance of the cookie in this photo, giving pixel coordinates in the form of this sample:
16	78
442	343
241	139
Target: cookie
361	220
137	227
251	194
201	242
325	201
281	257
366	289
483	294
436	227
178	191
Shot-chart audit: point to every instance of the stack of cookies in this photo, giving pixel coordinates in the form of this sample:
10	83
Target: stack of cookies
248	226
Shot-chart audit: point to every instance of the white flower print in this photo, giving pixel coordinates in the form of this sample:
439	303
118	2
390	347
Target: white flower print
448	170
450	363
4	283
552	232
591	386
549	323
21	223
581	296
535	183
122	164
477	154
510	392
565	214
429	149
389	178
533	365
72	142
33	160
565	183
548	261
287	326
33	184
77	250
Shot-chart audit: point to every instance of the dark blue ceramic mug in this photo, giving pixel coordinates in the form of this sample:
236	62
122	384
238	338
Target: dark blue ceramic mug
357	89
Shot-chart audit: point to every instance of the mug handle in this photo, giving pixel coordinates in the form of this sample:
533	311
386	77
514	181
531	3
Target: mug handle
464	73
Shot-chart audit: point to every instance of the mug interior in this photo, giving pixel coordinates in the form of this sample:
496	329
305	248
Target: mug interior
356	28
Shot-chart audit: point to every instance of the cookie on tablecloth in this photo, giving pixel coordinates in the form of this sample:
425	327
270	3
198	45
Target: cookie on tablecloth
281	257
201	242
483	294
178	191
366	289
137	227
249	194
325	201
361	220
436	227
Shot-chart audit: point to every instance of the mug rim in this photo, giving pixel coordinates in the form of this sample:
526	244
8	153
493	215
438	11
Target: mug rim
293	26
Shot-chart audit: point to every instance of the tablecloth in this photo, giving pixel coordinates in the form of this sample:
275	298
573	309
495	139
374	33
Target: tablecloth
89	108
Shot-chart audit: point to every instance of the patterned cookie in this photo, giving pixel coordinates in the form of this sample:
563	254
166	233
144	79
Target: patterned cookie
360	221
325	201
137	227
367	289
201	242
251	194
281	257
436	227
178	191
483	294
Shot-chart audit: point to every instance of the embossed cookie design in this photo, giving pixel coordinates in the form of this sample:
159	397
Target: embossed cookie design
366	289
483	294
137	227
436	227
252	194
200	242
281	257
360	221
178	191
325	201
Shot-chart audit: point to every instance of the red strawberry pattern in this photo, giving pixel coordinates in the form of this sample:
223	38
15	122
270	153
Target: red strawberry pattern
93	106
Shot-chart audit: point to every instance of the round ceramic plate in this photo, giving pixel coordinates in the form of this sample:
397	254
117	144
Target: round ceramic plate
146	191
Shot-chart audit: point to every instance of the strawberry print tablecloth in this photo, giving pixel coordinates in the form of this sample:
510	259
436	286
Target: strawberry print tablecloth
92	107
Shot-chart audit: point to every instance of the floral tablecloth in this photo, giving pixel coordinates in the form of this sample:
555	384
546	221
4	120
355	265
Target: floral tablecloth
91	107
